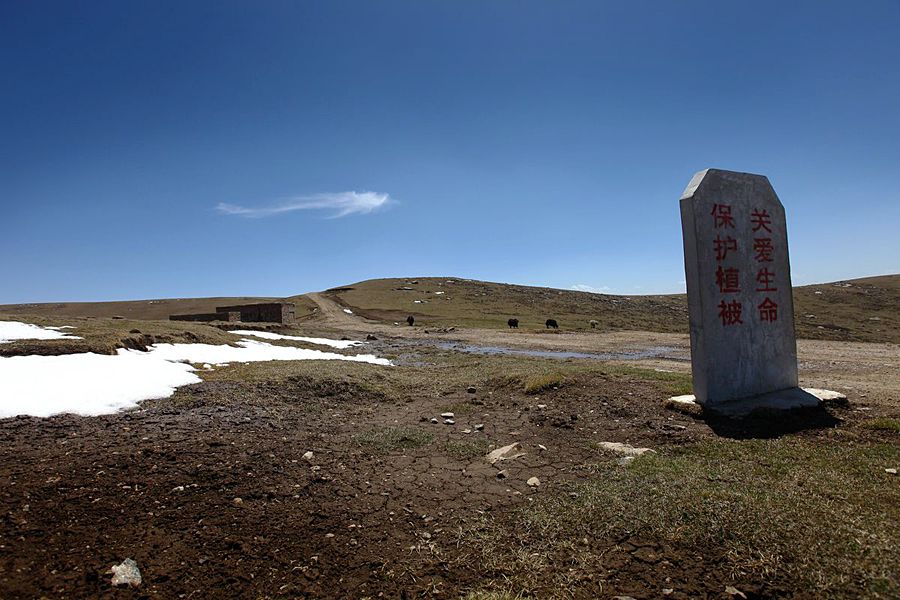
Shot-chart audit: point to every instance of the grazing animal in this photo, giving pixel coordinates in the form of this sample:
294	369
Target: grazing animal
593	324
513	323
410	319
552	323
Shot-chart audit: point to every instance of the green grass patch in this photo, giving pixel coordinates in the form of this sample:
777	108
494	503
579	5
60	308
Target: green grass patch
390	439
468	448
545	381
883	424
823	518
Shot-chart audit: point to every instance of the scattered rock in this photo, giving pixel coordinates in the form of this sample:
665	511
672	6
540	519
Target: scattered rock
734	592
467	431
449	422
502	474
533	482
891	471
308	456
509	452
238	501
625	449
126	573
479	426
434	420
371	337
471	389
447	415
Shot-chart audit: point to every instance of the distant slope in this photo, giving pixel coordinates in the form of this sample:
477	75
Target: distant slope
857	310
148	310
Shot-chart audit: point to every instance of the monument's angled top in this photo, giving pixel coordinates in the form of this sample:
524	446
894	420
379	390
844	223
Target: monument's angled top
700	176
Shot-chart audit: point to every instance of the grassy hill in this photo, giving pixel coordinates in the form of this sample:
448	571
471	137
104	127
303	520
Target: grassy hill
857	310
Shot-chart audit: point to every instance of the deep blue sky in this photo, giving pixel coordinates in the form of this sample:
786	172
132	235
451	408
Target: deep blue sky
542	143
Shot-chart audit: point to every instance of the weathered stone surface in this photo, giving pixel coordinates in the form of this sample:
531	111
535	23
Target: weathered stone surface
739	287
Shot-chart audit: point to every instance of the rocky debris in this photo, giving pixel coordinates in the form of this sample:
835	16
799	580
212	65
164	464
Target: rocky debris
502	474
686	405
126	573
533	482
625	449
449	422
308	456
479	426
238	501
891	471
509	452
434	420
447	415
371	337
471	389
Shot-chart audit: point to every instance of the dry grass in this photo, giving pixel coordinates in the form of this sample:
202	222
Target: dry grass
545	381
882	424
822	517
390	439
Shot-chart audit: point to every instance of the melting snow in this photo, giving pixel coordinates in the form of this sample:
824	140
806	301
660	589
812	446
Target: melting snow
96	384
266	335
15	330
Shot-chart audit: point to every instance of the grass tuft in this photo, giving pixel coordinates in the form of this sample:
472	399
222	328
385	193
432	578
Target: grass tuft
538	383
883	424
389	439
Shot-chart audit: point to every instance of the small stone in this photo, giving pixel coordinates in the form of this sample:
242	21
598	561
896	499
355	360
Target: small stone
467	431
434	420
471	389
426	536
668	591
329	535
542	447
534	482
891	471
447	415
479	426
502	474
126	573
371	337
505	453
573	495
238	500
449	422
308	455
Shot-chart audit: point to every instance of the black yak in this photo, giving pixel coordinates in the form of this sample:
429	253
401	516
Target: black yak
410	319
552	323
513	323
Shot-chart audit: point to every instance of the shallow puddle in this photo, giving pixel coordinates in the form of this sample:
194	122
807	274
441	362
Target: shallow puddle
668	352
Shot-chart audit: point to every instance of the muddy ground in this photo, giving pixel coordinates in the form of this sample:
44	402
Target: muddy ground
211	494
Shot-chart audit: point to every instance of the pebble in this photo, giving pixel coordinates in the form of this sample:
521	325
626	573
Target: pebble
502	474
471	389
479	426
449	422
434	420
891	471
308	455
447	415
238	500
126	573
534	482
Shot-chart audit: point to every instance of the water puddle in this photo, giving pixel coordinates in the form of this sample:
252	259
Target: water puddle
667	352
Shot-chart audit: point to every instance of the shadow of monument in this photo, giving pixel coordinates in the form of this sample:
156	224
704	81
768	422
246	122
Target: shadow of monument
771	424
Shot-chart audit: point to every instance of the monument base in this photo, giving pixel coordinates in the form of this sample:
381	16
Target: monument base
788	399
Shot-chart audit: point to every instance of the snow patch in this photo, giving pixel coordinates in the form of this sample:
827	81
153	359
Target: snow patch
348	311
267	335
96	384
16	330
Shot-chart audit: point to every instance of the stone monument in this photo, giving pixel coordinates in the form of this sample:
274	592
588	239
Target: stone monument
743	349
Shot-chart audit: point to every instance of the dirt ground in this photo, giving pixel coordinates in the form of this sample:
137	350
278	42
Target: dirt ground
213	493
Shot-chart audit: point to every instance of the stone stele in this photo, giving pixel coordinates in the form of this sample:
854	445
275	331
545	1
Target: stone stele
743	350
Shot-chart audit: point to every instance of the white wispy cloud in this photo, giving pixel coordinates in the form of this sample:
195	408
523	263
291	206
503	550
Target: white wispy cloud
582	287
337	204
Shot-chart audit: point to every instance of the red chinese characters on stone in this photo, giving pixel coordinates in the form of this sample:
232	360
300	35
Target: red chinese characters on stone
722	216
723	247
763	248
768	310
730	312
765	277
761	220
728	280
